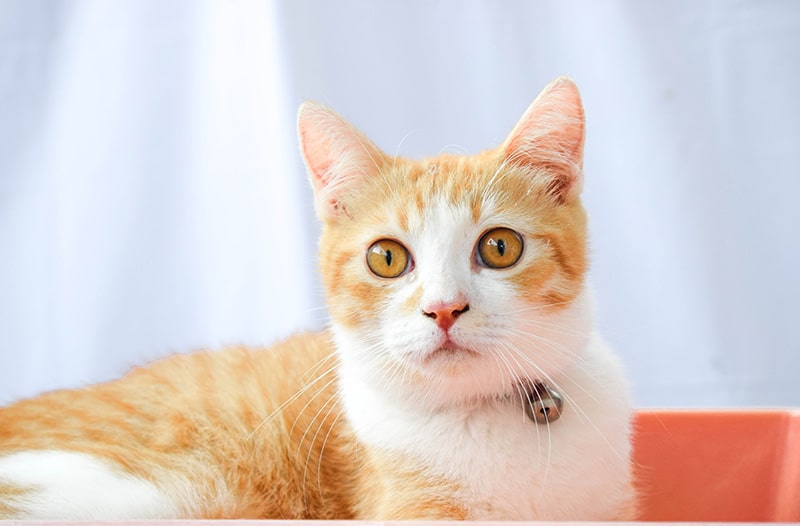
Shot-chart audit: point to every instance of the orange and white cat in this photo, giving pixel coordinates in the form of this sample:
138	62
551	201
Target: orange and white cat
459	308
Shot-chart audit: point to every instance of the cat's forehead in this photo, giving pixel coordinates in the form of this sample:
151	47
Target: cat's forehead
451	192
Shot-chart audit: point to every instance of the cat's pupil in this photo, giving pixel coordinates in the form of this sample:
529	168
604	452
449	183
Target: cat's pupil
388	258
501	247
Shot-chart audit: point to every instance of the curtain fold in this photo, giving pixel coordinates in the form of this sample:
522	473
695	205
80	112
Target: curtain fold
152	199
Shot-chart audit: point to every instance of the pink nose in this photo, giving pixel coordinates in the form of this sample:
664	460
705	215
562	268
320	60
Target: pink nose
445	314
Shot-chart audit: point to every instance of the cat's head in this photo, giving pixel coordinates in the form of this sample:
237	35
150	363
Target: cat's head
454	277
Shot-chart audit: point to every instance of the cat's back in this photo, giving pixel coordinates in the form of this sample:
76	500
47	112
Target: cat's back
234	386
237	432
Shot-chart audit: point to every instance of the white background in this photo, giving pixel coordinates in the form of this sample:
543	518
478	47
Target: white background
152	199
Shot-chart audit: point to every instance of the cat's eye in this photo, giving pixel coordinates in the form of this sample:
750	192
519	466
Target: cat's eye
388	259
499	248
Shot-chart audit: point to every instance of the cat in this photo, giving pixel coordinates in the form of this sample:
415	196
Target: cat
461	376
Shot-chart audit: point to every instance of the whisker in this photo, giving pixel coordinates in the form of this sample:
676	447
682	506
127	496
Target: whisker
568	399
322	449
307	404
524	401
579	361
334	399
275	412
405	137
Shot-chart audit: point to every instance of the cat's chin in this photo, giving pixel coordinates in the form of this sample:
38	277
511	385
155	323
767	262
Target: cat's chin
453	369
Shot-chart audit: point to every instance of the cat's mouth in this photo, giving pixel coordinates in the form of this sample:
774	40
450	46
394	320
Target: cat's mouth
450	352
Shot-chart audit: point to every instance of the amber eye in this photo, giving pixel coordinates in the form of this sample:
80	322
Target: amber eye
387	258
499	248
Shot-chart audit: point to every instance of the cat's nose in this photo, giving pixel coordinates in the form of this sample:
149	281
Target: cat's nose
445	314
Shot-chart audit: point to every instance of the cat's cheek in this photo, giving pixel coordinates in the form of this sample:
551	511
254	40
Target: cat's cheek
362	303
553	340
410	306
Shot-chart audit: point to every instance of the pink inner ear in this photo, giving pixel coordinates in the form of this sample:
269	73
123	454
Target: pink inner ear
317	126
554	147
553	124
317	160
551	133
338	157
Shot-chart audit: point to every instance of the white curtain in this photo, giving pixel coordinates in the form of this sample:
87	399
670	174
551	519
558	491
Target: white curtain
152	199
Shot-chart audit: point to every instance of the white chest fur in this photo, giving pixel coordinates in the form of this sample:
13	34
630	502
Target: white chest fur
507	466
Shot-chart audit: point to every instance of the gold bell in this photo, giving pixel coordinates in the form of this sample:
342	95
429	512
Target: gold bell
544	404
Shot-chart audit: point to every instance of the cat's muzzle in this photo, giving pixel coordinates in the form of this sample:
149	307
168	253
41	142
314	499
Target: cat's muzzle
542	404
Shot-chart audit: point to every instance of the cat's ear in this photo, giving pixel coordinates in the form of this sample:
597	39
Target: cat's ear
337	157
550	135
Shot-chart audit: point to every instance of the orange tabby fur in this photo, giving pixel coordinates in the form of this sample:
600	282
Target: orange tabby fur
557	278
260	433
203	416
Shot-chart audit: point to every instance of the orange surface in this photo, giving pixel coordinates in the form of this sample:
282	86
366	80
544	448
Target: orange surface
727	466
697	466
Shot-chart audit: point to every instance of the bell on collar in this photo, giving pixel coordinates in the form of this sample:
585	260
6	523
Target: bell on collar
543	404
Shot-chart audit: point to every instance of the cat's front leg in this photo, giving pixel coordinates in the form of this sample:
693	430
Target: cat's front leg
412	505
391	486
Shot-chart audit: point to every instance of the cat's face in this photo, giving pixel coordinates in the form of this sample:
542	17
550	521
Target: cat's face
455	278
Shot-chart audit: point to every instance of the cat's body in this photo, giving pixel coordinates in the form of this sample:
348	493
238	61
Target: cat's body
454	284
